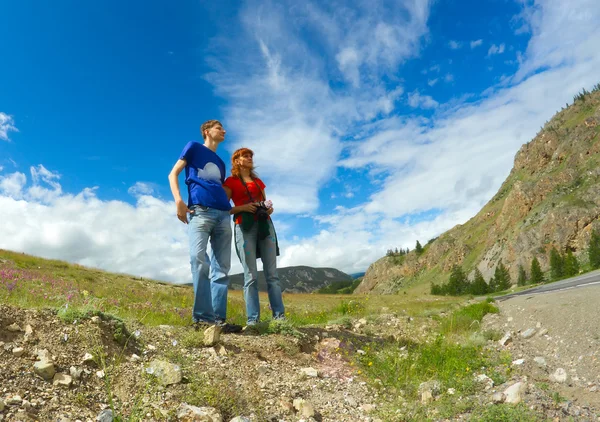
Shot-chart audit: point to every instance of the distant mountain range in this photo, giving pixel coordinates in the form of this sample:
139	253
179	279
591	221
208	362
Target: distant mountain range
300	279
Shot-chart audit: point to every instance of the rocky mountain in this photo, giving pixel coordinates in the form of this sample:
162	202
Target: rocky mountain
300	279
551	198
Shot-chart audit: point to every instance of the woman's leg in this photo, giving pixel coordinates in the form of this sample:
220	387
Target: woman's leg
245	244
268	254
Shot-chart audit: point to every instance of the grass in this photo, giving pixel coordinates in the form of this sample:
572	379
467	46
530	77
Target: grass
505	413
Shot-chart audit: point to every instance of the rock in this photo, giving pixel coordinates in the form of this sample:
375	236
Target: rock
498	397
262	370
221	350
18	352
514	393
484	379
62	379
105	416
426	397
44	369
367	408
518	362
304	408
188	413
87	358
134	358
504	341
240	419
28	332
14	328
527	334
560	376
15	400
75	372
451	391
540	361
43	355
100	374
167	373
433	386
543	332
309	372
1	405
95	319
212	335
286	405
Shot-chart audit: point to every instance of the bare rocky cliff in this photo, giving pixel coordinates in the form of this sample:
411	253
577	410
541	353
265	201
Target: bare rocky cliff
550	199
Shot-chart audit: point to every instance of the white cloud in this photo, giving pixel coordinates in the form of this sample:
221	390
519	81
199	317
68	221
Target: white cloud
144	239
476	43
496	49
448	77
7	124
454	45
432	82
417	100
140	189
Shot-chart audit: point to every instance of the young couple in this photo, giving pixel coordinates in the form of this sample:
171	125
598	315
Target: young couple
207	216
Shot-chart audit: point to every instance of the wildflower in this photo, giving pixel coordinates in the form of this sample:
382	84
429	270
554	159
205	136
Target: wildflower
371	364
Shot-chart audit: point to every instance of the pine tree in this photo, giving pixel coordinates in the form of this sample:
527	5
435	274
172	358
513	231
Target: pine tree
419	248
571	264
594	250
501	280
557	265
537	276
458	283
479	286
522	280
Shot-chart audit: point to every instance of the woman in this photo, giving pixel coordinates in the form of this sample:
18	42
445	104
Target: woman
254	234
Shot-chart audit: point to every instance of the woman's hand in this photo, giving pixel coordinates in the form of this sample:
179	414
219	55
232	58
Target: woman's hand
248	208
270	211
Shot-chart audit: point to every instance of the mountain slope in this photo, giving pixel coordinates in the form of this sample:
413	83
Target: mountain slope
300	279
550	199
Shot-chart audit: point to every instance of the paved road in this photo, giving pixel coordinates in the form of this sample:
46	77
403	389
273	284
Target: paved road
570	283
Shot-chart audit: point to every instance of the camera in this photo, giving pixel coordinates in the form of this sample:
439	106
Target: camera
262	210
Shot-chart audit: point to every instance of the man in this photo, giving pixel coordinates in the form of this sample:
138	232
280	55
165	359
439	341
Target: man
208	208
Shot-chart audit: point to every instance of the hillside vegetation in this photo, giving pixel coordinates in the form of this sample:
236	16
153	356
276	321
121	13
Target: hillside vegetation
551	199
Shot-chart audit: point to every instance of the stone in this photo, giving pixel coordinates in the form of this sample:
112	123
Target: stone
240	419
304	408
518	362
560	376
309	372
286	405
426	397
62	379
14	328
95	319
484	379
188	413
134	358
1	405
18	352
498	397
167	373
44	369
541	362
105	416
433	386
87	358
504	341
15	400
514	393
367	408
28	332
212	335
75	372
543	332
262	370
527	334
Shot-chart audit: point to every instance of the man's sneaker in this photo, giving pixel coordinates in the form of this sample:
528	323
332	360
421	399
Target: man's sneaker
227	328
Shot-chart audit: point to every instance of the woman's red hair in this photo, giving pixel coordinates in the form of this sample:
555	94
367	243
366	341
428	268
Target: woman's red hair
235	168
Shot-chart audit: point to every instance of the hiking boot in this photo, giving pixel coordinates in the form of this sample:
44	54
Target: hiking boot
227	328
200	325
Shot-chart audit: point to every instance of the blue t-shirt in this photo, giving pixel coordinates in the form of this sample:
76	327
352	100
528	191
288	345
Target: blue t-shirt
204	177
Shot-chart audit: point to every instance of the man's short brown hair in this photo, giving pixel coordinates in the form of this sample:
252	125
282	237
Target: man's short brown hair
207	125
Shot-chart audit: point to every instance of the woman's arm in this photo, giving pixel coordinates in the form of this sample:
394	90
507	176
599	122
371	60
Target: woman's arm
241	208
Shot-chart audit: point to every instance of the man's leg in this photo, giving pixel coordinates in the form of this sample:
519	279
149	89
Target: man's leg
245	243
268	254
220	262
199	228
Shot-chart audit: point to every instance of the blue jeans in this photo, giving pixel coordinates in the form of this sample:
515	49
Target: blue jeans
210	271
246	243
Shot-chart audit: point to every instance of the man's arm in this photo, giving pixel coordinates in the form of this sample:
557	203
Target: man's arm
182	208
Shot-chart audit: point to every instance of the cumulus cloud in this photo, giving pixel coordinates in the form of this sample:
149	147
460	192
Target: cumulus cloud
476	43
496	49
7	124
454	45
417	100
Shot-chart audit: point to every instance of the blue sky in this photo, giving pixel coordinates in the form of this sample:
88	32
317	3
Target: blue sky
375	123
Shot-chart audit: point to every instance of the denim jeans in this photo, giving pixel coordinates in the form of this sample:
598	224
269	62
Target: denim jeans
210	271
246	243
